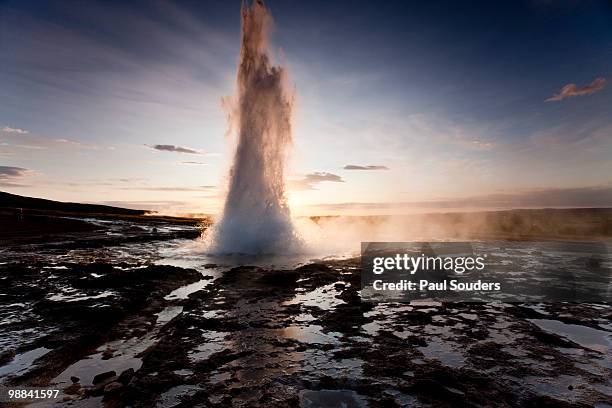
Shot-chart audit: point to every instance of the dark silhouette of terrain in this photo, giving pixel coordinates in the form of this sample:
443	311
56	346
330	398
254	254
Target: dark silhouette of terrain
8	200
28	219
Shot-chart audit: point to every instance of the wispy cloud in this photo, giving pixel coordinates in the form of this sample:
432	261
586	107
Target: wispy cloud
22	139
173	148
310	181
194	163
570	90
357	167
422	132
8	129
116	63
9	174
171	188
74	143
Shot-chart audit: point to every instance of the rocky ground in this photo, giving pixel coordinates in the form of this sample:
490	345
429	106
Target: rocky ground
131	324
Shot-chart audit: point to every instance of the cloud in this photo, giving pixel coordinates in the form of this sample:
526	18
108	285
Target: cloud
194	163
170	188
8	129
310	181
570	90
423	133
8	174
8	171
173	148
322	176
357	167
75	143
18	139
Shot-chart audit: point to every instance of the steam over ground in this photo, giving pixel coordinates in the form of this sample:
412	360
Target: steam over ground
336	235
256	218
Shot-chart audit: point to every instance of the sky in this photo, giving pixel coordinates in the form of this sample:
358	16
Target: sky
400	106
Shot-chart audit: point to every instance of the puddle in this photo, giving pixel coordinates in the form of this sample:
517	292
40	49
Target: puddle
168	314
587	337
310	334
124	357
22	362
204	351
439	350
77	297
425	303
174	396
217	377
183	372
372	328
323	297
215	342
331	399
184	291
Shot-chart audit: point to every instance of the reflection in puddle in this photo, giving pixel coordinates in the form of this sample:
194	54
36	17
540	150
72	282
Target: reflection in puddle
184	291
169	313
124	357
22	362
75	296
322	297
310	334
175	395
442	351
214	343
587	337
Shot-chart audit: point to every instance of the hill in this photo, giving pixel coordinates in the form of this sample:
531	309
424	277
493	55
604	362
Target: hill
14	201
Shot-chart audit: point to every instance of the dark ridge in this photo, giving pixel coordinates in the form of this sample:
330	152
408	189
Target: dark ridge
8	200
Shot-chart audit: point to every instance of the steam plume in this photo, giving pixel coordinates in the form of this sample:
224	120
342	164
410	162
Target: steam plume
256	218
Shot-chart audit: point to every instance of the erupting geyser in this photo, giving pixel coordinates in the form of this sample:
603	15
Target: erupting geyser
256	218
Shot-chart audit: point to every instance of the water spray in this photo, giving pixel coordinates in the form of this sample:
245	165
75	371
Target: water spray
256	218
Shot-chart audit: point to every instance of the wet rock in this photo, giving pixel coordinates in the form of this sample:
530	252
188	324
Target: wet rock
544	401
99	378
125	377
524	312
86	310
113	387
488	355
553	340
455	391
107	354
280	278
6	357
73	389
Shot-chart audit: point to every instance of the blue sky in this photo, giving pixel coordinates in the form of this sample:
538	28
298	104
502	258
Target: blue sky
456	100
